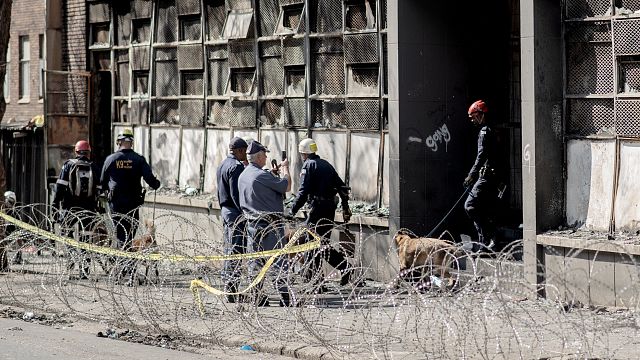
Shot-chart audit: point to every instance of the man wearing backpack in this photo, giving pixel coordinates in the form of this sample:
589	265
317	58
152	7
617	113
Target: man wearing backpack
75	198
121	175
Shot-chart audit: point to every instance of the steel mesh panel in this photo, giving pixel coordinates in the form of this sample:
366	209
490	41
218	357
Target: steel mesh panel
218	52
328	113
363	80
383	13
272	76
191	112
293	51
588	31
67	94
326	15
385	65
122	111
216	113
296	109
101	60
123	27
291	18
122	76
139	111
190	28
626	35
328	74
188	7
269	12
242	80
290	2
271	48
363	114
630	77
589	68
578	9
271	112
192	83
167	24
166	78
218	75
588	116
140	83
140	59
141	9
240	114
190	57
633	5
166	54
361	48
357	13
239	4
141	31
628	117
216	14
99	12
327	45
241	54
295	80
166	111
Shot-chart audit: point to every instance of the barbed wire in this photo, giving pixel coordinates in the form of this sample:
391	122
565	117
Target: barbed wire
454	303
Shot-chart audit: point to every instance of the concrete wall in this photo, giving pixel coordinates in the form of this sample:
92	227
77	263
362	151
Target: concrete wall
627	207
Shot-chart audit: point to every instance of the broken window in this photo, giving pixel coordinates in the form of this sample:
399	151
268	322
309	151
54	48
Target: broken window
629	79
295	80
362	79
140	83
192	83
241	81
100	34
360	15
290	19
238	24
122	75
141	31
272	113
101	61
190	28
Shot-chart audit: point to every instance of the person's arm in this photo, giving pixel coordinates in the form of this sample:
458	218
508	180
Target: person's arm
303	191
62	186
481	157
233	183
104	175
147	175
284	166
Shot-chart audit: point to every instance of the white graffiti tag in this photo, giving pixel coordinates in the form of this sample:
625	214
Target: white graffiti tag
442	135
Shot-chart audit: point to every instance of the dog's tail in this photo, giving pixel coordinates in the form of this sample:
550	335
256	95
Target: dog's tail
405	231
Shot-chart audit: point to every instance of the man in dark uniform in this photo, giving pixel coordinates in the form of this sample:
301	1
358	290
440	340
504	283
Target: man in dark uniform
228	197
121	175
76	194
319	184
483	176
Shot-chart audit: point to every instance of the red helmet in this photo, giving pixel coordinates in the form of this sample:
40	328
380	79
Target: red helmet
478	106
83	145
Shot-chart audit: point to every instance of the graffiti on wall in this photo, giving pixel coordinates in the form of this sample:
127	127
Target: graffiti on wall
440	137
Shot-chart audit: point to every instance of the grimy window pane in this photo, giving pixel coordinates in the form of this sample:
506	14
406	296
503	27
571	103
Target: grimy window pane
40	65
7	76
24	75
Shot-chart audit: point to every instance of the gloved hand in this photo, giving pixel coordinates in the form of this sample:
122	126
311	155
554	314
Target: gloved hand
468	181
346	214
60	216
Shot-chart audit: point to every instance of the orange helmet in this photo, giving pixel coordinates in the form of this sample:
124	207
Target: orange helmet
478	106
83	145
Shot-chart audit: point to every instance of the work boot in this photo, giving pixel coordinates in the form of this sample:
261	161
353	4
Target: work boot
17	259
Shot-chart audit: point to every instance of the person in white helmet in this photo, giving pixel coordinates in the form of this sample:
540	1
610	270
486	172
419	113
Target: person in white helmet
319	185
10	201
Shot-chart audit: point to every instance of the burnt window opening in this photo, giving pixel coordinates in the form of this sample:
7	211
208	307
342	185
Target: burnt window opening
140	83
100	34
629	74
192	83
295	80
360	15
272	113
101	61
238	24
290	19
122	72
241	80
141	31
190	27
363	79
122	113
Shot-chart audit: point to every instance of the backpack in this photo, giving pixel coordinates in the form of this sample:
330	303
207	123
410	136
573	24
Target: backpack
81	178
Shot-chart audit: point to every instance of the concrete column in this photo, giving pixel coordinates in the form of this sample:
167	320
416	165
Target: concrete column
394	115
542	127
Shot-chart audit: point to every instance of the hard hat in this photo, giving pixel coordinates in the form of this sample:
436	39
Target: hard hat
10	197
307	146
83	145
478	106
126	134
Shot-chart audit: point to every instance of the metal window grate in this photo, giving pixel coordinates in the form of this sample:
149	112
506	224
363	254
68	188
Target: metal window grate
218	52
385	65
269	11
241	80
271	113
633	5
326	15
383	13
188	7
363	80
216	14
141	31
239	4
101	60
328	74
328	113
626	35
293	51
629	76
123	27
167	24
327	45
290	19
192	83
271	48
122	111
240	113
140	83
588	116
242	54
272	76
588	31
163	54
295	80
363	114
290	2
166	111
361	48
216	112
296	109
100	34
578	9
360	15
589	68
139	112
191	112
99	12
190	27
166	79
140	60
218	74
141	9
628	117
190	57
122	76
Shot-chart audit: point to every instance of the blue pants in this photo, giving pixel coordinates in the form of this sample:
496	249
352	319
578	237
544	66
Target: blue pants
480	206
234	243
264	235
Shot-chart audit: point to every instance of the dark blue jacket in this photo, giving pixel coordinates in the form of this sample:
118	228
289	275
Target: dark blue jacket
65	197
319	181
227	176
121	174
487	152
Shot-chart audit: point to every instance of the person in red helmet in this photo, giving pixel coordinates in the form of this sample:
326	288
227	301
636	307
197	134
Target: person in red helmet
76	196
483	177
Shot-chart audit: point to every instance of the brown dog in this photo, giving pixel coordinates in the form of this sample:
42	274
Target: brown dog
147	240
417	254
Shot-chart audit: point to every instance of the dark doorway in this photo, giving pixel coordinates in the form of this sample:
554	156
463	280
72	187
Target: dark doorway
101	138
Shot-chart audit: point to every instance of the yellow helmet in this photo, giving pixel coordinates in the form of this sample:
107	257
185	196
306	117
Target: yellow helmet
126	134
307	146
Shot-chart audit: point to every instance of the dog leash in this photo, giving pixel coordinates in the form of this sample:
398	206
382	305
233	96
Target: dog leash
153	216
466	190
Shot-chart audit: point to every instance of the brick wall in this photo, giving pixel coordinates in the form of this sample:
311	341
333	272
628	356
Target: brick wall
74	36
27	18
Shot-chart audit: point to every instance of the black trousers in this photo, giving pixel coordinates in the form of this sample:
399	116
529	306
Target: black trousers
321	219
480	206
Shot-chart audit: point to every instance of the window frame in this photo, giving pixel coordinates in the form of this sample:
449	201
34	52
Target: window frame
24	71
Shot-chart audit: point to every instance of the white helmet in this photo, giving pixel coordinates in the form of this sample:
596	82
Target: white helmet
307	146
10	197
